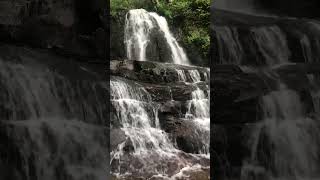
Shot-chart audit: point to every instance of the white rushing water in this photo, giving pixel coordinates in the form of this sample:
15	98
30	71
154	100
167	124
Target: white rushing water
293	140
272	43
138	116
229	46
52	123
140	25
268	42
152	147
285	144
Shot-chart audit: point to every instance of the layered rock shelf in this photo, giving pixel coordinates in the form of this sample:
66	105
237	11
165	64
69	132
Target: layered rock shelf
163	83
237	91
53	90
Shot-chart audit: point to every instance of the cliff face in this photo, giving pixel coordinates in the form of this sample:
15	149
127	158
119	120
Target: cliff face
248	40
162	82
296	8
251	55
53	90
247	53
163	95
74	27
53	116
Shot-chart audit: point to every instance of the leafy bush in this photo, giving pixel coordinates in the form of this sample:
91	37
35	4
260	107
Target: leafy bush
118	6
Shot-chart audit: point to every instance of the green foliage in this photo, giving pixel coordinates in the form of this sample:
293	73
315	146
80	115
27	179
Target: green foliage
193	18
118	6
189	17
199	38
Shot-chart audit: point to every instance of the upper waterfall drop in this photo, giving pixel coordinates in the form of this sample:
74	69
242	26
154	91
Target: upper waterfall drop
140	26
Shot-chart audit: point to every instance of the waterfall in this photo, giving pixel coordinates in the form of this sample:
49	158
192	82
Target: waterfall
292	145
138	116
140	27
228	45
272	44
284	141
285	144
268	45
147	142
199	112
315	91
52	126
310	41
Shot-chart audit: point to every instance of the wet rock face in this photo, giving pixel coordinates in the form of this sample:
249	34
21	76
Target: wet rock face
117	46
170	94
35	84
53	123
76	27
154	72
183	131
52	149
297	8
244	76
53	107
251	40
118	136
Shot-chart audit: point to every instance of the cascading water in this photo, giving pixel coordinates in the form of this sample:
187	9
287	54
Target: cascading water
269	45
267	38
138	116
229	46
51	125
155	151
140	26
198	111
151	146
139	121
291	150
285	144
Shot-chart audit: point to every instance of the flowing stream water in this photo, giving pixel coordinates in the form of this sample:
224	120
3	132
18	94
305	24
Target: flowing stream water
154	152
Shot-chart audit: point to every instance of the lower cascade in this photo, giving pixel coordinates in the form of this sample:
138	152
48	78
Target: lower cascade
52	126
160	121
285	144
268	126
148	148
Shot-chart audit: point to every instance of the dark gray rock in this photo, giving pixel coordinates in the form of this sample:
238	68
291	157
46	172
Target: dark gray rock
63	86
153	72
50	149
75	27
118	136
183	131
294	30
